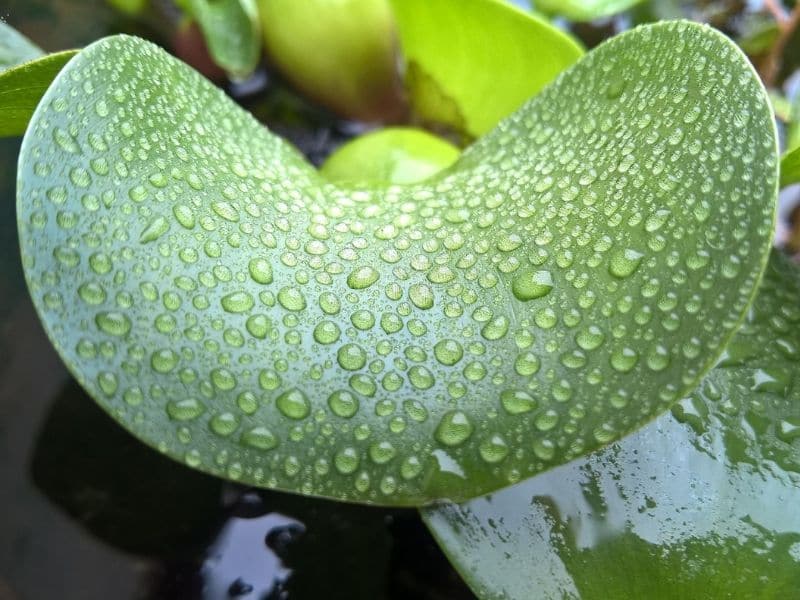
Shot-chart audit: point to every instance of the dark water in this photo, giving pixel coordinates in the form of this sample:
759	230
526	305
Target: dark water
87	512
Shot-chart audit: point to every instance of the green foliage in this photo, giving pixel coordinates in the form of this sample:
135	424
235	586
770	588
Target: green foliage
340	53
232	32
471	63
699	504
398	344
15	48
790	167
394	155
22	86
584	10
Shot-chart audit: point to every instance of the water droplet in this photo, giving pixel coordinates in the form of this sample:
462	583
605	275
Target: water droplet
516	402
293	404
530	285
291	298
362	278
186	409
113	323
448	352
260	270
237	302
343	404
454	429
351	357
624	359
623	263
259	438
326	332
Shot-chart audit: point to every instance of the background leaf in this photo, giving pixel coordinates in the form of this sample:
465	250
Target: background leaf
232	31
392	155
471	63
22	86
341	54
584	10
396	345
15	48
699	504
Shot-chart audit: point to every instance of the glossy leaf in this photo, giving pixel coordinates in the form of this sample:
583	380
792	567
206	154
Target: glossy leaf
341	53
790	167
22	86
584	10
15	48
471	63
395	345
392	155
232	32
701	503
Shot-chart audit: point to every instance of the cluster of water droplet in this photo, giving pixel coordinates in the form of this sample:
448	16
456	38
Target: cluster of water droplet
753	391
573	275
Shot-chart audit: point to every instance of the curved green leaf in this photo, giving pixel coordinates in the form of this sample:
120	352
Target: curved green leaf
232	31
584	10
15	48
393	155
790	167
341	53
233	309
471	63
22	87
700	504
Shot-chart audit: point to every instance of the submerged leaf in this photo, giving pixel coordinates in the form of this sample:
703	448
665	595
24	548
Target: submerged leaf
392	155
394	345
701	503
22	87
232	32
15	48
471	63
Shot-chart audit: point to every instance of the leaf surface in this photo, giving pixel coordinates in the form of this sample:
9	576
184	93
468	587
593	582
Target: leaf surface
471	63
394	155
702	503
398	344
232	32
22	86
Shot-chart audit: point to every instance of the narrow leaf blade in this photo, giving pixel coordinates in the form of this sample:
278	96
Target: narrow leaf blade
22	86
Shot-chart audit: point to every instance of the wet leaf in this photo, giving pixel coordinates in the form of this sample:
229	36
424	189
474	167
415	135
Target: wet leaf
393	155
15	48
398	344
699	504
232	32
22	86
471	63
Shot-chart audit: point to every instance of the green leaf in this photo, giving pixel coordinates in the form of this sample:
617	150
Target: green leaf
232	31
22	87
584	10
130	7
339	53
790	167
394	345
394	155
471	63
701	503
15	48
